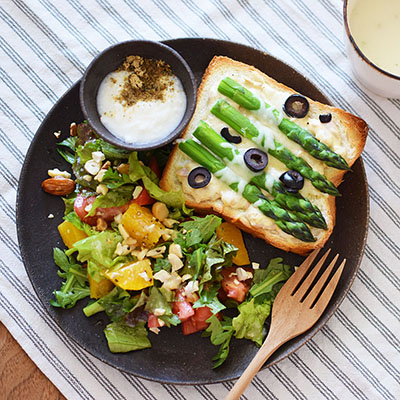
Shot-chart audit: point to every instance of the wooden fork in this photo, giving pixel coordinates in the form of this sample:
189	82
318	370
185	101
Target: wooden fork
294	311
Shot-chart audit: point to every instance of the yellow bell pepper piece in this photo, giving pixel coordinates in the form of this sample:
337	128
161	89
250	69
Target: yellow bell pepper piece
70	233
140	224
233	235
99	289
132	276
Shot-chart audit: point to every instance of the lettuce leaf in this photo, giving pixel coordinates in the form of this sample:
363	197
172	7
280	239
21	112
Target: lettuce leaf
75	285
122	338
138	170
98	252
220	333
157	300
113	198
249	323
265	279
75	220
67	149
198	230
208	296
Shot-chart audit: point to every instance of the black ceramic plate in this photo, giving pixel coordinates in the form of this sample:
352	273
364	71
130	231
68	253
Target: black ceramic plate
173	358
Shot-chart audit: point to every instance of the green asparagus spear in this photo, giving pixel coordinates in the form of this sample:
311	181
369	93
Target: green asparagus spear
295	202
303	137
288	222
241	124
300	165
228	152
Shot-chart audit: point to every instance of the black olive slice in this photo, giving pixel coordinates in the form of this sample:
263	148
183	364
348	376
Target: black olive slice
325	118
199	177
292	180
296	106
256	159
227	136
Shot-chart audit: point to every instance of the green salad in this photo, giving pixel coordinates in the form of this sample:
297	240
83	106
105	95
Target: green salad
146	260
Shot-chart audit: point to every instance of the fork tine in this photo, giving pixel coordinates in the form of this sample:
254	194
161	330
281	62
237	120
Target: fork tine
326	295
302	290
294	280
309	300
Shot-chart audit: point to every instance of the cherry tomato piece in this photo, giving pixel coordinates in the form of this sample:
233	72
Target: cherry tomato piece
234	288
181	307
153	164
152	321
108	214
144	198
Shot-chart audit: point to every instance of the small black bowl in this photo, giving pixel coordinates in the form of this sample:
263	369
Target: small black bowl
108	61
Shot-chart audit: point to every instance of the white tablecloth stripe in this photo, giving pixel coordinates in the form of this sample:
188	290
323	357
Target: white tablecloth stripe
45	47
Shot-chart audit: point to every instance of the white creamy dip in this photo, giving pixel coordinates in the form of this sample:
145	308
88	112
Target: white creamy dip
375	27
145	121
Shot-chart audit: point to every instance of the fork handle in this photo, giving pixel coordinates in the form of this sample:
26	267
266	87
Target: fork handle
265	351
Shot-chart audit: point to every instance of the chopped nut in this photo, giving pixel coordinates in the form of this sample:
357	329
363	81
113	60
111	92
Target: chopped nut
160	211
157	252
73	129
87	177
169	222
102	189
131	242
191	287
123	231
136	192
92	167
58	186
171	232
161	322
162	275
106	165
155	330
121	250
166	236
123	168
158	312
50	216
118	218
139	254
100	176
57	134
175	249
56	172
173	282
243	275
255	265
101	224
186	277
175	261
98	156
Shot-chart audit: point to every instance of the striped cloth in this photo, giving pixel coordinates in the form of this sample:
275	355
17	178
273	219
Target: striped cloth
45	47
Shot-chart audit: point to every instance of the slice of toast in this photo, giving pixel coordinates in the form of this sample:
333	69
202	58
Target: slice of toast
345	134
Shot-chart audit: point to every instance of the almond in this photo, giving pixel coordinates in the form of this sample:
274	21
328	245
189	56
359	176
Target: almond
58	186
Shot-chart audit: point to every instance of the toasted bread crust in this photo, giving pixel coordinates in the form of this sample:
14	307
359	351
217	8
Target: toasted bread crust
351	133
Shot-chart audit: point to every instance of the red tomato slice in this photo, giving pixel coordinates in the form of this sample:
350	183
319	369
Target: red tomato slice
144	198
153	165
234	288
152	321
181	307
198	322
189	327
108	214
200	317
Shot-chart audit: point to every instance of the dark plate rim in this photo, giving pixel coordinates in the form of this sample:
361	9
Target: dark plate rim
324	318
